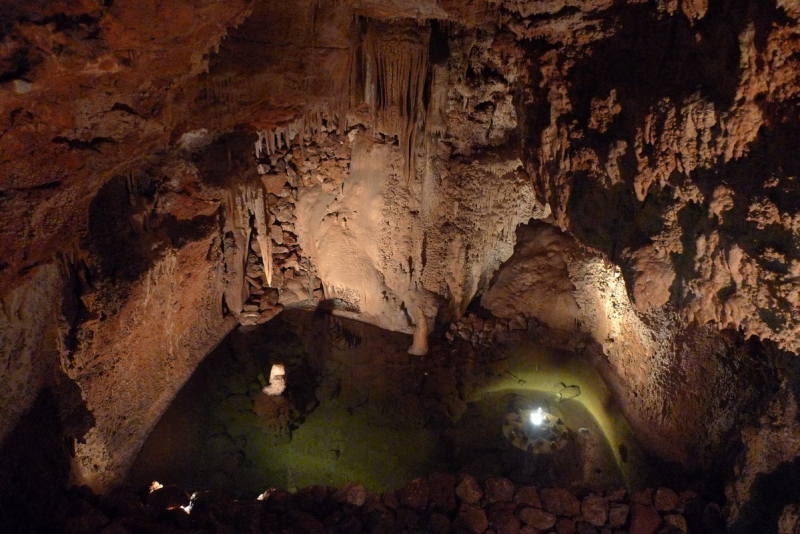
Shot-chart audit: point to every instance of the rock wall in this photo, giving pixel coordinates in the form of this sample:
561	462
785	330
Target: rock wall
207	164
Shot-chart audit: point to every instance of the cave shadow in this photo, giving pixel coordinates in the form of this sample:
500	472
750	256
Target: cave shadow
768	496
34	471
611	219
652	56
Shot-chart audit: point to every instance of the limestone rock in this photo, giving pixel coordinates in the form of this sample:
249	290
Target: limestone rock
537	518
665	500
442	492
644	519
468	490
471	520
351	493
594	510
618	515
415	494
565	526
499	490
560	502
678	522
528	496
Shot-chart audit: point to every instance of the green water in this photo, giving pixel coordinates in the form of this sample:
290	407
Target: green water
363	410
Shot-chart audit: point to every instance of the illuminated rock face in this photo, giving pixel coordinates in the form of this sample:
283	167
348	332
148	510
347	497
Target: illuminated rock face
172	169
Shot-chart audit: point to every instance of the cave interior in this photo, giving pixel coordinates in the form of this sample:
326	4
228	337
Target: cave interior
384	266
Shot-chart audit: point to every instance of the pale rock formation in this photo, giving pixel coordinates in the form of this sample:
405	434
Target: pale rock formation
277	380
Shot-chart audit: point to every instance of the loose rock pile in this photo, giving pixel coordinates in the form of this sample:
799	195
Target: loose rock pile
482	332
439	504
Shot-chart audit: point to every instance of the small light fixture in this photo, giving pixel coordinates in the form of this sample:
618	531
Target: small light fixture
537	418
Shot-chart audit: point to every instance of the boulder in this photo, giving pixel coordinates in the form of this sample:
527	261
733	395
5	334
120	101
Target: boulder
442	492
642	497
528	496
594	510
560	502
616	495
677	522
415	494
502	519
565	526
537	518
499	489
468	490
618	515
351	493
439	523
666	500
644	519
470	520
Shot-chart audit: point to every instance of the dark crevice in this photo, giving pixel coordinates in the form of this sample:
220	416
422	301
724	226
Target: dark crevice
78	144
118	106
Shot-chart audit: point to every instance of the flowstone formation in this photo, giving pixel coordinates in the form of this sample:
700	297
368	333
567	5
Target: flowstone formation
618	177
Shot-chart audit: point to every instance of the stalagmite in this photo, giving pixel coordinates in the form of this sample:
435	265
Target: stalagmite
420	345
277	380
247	212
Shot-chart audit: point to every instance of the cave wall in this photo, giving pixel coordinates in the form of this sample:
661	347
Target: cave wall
171	169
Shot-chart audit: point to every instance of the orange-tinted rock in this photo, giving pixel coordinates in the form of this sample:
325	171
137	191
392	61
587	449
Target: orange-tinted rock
351	493
560	502
471	520
618	515
642	497
415	494
468	489
528	496
502	519
499	490
666	500
537	518
644	519
678	522
594	510
442	489
565	526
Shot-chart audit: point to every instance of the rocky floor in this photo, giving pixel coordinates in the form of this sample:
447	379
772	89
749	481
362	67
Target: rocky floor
437	504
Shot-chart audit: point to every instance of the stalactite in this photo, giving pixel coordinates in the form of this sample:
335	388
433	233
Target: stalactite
247	212
284	136
394	67
389	67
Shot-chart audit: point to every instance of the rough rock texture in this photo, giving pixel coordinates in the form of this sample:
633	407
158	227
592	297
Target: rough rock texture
317	509
172	169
